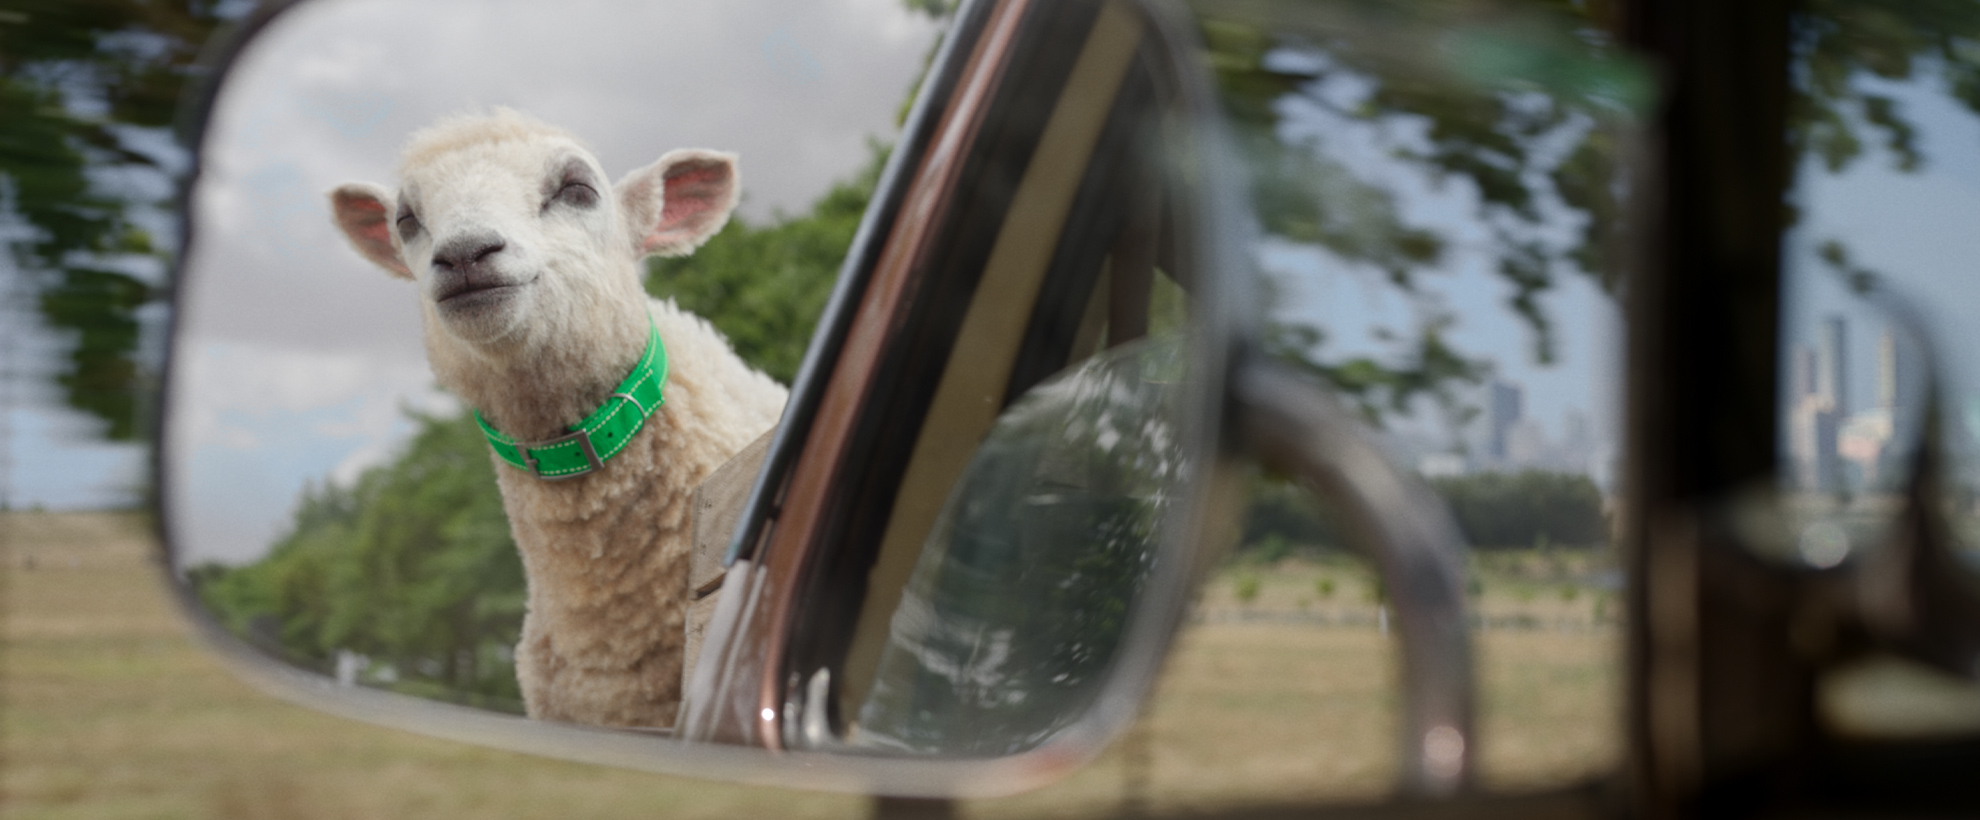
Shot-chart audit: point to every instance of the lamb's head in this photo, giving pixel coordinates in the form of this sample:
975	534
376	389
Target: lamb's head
513	236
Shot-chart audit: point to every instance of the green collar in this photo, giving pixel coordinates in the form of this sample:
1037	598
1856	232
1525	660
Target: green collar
602	434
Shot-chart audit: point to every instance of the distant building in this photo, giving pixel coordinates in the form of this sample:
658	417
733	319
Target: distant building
1812	431
1876	441
1442	465
1864	440
1901	392
1511	441
1527	445
1832	365
1507	408
1801	373
1817	407
1835	449
1575	430
1890	371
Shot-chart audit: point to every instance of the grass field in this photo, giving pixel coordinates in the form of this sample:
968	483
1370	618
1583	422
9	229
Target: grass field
111	712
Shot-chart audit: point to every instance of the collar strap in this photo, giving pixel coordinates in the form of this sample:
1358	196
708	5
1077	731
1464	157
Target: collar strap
602	434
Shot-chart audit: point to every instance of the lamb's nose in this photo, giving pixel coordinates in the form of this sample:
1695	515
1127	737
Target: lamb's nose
465	251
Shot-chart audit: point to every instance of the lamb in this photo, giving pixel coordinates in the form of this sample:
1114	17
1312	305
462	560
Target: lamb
526	265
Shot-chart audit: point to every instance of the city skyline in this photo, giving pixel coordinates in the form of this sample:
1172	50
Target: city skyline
1506	438
1830	445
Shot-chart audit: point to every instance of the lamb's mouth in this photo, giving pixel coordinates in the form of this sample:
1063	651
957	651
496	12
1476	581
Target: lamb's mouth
472	293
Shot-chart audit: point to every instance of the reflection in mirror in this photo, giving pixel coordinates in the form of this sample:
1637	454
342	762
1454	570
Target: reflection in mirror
332	499
1015	607
1438	208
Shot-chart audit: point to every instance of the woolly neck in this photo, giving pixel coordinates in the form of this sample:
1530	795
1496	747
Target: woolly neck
602	434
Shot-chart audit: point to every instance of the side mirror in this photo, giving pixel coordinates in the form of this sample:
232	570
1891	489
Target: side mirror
359	506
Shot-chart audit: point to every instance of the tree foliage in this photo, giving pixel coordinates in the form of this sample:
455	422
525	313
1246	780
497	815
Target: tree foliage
1282	516
1527	508
1842	45
85	86
764	287
1530	151
1494	510
1522	120
412	566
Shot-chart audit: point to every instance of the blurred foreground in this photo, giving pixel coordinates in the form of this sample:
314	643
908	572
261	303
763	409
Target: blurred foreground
111	711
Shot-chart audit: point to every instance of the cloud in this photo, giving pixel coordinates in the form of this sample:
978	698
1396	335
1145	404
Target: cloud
250	424
330	92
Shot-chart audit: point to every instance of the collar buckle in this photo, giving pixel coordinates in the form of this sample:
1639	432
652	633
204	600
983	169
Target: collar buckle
583	439
612	425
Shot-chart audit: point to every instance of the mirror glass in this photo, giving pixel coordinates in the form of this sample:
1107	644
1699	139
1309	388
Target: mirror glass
1019	600
329	501
1877	309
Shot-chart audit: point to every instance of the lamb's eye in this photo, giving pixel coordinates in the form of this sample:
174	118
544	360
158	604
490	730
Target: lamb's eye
578	194
408	224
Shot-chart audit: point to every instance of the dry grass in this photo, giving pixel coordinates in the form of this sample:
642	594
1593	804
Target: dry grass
111	712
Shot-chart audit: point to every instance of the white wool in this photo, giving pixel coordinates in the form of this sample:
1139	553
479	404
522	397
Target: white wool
533	311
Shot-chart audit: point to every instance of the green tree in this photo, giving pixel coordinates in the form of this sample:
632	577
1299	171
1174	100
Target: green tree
1525	508
1545	74
413	566
1519	113
1282	516
1839	44
88	89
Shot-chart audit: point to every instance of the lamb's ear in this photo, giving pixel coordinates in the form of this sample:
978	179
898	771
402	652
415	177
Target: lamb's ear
364	213
674	205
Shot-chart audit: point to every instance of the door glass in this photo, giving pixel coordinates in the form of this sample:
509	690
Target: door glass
1023	592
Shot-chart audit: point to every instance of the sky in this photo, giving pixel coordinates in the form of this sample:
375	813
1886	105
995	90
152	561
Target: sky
299	360
1357	305
1918	230
1914	228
